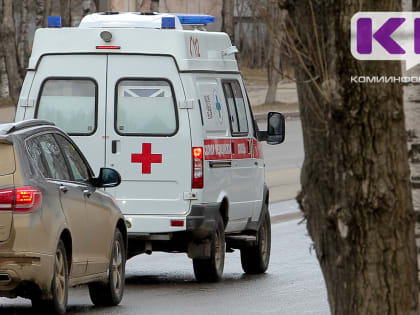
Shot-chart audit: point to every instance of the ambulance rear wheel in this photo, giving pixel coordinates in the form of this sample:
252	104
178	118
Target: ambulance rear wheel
255	259
211	269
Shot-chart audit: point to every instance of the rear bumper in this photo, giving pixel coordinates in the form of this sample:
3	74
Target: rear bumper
25	274
202	218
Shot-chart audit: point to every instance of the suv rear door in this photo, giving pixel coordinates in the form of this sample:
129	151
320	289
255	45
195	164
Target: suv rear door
47	156
149	135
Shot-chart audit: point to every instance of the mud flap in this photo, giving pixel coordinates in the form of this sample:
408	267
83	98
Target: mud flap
199	250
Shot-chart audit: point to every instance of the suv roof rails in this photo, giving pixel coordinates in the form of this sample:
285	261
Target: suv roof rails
25	124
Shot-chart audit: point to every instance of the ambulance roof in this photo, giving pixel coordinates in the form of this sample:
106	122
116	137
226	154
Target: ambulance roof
134	33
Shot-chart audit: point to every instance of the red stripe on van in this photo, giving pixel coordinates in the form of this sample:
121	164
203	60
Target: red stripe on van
242	149
232	149
218	149
257	150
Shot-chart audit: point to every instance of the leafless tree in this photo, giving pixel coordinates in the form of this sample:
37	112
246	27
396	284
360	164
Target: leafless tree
145	5
269	12
228	18
356	194
17	18
8	40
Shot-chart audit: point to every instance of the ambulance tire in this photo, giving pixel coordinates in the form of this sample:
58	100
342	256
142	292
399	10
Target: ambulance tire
211	269
255	259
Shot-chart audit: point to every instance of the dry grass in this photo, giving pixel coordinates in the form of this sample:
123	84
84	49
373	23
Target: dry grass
254	74
278	107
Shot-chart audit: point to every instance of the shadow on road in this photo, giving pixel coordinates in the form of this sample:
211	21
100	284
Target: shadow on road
27	309
136	283
155	280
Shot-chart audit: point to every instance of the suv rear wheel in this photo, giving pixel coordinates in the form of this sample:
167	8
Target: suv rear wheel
111	292
211	269
59	287
255	259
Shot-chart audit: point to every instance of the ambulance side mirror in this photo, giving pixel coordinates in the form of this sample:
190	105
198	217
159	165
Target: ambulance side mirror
276	127
107	178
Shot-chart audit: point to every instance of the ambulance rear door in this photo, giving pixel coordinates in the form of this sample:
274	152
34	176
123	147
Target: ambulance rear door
149	135
69	90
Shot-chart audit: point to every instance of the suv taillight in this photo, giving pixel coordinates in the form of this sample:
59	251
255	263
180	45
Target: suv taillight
22	199
198	167
7	197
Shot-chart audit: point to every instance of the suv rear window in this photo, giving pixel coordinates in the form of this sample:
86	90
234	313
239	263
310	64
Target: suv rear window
145	107
7	158
70	104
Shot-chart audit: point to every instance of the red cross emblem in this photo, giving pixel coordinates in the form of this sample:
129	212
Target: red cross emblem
146	158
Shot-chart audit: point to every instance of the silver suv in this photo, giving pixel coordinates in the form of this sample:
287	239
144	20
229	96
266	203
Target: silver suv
58	228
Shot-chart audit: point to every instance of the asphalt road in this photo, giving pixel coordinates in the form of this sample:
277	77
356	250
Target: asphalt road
283	162
289	154
164	283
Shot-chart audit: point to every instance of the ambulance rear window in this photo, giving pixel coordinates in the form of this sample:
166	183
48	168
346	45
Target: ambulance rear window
70	104
145	107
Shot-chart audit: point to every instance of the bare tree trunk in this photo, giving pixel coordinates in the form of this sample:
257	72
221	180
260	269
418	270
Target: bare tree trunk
4	84
65	12
228	19
356	194
42	11
273	74
88	7
411	103
273	16
146	6
39	13
8	39
22	44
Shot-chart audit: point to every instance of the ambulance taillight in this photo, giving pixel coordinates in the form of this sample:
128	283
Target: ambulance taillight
198	167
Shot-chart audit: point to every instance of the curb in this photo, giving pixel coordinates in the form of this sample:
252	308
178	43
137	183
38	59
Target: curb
288	115
285	217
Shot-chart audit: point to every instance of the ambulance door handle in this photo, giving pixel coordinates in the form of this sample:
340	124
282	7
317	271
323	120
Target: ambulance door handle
220	164
114	146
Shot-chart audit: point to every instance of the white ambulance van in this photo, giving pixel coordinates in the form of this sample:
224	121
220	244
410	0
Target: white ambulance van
168	109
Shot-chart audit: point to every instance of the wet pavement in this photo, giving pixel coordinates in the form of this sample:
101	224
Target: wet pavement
164	283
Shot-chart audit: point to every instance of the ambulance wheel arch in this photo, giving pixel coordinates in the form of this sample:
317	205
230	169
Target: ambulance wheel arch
266	195
256	223
224	211
264	208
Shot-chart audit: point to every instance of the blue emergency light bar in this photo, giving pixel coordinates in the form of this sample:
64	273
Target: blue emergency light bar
54	21
168	22
195	19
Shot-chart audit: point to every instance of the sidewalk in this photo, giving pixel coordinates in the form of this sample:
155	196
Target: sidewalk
284	211
283	184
